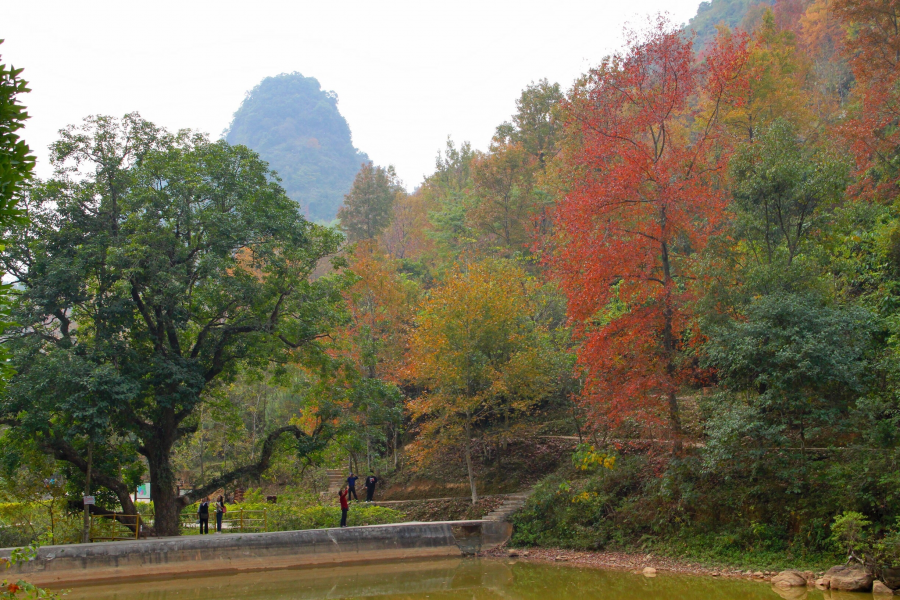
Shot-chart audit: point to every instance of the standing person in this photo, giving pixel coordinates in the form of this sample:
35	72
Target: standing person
220	512
351	486
371	480
345	506
203	514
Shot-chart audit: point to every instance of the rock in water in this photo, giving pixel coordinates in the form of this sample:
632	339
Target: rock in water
649	572
822	583
891	577
879	589
789	579
852	578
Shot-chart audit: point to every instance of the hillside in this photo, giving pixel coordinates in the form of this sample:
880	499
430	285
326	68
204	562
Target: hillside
296	127
712	13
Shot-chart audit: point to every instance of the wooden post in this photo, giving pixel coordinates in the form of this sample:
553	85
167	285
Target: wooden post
86	531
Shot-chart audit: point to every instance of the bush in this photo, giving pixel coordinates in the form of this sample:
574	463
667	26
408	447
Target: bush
300	509
25	523
323	517
675	506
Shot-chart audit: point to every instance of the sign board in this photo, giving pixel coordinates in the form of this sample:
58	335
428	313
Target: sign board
143	492
88	500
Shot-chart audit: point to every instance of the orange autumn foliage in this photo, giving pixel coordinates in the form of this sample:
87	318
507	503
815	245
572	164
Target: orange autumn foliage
382	305
872	46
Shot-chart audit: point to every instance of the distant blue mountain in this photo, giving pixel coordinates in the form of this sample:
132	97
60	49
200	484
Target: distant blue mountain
296	127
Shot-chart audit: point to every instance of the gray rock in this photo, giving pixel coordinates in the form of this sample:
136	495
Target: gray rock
849	578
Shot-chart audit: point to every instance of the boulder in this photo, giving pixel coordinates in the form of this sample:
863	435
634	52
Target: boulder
879	589
789	579
891	577
822	583
649	572
849	578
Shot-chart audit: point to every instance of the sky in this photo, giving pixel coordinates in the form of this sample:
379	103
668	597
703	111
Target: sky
408	73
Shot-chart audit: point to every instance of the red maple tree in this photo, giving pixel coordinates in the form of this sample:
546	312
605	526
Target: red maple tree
872	47
643	199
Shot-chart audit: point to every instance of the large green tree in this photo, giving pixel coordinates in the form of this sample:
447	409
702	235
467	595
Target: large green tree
154	267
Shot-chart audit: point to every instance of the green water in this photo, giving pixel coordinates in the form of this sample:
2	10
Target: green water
445	579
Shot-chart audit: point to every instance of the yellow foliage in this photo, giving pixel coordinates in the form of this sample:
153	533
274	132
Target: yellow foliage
477	352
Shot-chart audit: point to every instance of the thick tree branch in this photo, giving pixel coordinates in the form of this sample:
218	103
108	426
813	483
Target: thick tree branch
252	470
62	450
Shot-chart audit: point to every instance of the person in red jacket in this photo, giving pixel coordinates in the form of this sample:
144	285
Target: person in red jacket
345	506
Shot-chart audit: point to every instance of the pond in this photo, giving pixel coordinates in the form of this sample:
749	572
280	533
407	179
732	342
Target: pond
444	579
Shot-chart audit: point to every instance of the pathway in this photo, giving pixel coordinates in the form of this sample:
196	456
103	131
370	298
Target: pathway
513	503
336	480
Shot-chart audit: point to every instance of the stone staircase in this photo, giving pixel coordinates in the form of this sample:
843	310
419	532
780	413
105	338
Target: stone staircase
336	480
512	503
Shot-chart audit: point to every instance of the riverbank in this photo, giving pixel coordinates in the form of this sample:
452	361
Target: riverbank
629	561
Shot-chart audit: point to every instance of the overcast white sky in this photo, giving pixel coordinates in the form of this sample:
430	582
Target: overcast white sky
408	72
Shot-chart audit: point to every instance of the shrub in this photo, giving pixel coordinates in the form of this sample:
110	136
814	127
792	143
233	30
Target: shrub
323	517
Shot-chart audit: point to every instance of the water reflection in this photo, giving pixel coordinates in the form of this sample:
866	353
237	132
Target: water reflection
445	579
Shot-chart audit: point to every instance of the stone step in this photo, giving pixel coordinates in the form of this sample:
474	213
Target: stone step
512	503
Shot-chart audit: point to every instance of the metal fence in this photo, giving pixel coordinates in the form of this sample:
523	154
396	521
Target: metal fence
105	528
236	520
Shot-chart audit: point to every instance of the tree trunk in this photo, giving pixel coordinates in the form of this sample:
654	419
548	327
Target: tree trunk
469	468
575	419
396	441
162	490
669	347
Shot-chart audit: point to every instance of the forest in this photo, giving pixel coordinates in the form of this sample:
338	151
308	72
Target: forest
666	300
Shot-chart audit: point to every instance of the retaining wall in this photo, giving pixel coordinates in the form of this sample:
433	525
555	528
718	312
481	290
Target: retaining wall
55	565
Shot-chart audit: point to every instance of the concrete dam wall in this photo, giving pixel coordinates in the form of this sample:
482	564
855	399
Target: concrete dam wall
59	565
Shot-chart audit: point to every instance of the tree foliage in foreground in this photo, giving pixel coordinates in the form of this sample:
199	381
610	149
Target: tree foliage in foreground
16	165
156	266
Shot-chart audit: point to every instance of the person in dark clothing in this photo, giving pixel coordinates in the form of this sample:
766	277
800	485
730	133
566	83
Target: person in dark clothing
220	512
371	480
345	506
351	487
203	515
